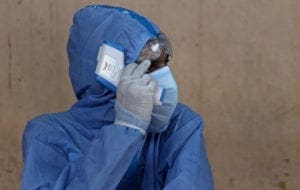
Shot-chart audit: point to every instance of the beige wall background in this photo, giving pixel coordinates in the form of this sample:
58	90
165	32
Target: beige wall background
236	62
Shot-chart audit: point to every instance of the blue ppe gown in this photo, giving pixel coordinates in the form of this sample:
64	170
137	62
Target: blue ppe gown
81	148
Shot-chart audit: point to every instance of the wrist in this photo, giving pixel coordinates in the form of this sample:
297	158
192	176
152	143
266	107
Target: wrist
126	118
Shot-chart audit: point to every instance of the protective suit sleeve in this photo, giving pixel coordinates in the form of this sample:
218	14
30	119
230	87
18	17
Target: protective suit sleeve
191	168
53	161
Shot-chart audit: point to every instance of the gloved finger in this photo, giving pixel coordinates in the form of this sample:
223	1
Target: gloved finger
141	69
146	78
129	69
152	84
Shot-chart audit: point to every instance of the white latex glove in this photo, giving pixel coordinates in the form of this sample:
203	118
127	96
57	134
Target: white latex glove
135	97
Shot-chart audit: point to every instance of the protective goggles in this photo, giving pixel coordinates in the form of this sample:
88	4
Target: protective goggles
154	48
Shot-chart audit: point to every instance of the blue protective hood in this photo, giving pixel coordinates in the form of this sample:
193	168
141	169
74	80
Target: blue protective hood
92	26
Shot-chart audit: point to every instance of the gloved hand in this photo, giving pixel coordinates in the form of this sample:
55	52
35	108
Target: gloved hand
135	97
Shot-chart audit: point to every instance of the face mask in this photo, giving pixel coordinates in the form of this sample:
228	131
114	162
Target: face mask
161	114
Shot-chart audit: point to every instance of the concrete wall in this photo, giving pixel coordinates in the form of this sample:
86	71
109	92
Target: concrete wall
236	62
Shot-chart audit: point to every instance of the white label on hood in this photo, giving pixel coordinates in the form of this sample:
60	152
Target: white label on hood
110	64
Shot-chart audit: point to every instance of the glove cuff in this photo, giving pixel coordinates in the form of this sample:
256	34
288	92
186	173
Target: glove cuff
127	119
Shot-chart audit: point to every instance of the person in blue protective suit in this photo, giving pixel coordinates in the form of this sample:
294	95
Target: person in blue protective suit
119	137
